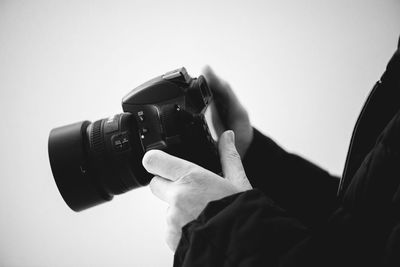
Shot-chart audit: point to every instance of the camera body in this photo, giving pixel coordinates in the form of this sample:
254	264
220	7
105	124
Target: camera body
92	162
169	112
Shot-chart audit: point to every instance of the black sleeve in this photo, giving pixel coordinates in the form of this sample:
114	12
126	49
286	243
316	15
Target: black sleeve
246	229
300	187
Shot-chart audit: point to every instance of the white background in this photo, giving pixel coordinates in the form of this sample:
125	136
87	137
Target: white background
302	68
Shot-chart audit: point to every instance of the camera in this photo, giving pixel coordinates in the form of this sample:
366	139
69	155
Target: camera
92	162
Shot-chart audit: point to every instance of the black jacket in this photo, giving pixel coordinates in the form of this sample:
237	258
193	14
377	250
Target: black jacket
294	217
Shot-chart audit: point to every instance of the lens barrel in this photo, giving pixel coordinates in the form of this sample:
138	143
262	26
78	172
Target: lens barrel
92	162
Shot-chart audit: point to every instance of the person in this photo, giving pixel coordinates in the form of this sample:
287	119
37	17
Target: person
274	208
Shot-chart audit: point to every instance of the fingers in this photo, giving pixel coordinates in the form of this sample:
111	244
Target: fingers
161	188
230	159
175	219
228	112
221	89
172	238
231	163
217	123
167	166
174	232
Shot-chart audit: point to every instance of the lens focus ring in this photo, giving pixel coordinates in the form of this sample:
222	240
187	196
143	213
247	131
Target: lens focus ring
96	140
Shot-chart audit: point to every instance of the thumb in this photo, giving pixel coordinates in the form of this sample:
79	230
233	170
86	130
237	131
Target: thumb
230	161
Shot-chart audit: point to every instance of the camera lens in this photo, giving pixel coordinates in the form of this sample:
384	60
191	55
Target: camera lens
92	162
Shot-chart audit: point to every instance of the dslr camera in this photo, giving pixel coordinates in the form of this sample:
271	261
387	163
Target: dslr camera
92	162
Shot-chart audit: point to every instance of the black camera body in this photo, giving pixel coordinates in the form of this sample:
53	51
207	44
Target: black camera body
92	162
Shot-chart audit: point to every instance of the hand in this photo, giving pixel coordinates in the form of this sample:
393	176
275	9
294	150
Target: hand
188	188
228	113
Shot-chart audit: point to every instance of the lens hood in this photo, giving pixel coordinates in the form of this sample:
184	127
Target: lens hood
68	160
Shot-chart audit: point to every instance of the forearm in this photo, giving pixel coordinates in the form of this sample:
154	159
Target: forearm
300	187
243	228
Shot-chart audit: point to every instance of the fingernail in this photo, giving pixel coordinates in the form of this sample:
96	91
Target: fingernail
231	136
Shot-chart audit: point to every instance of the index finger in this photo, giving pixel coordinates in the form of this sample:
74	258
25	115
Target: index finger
167	166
